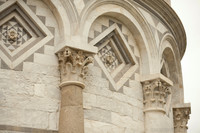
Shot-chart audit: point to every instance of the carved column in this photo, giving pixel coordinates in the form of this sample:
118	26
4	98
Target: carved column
181	117
73	67
156	94
157	99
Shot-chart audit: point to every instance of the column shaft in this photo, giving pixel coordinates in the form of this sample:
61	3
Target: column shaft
71	113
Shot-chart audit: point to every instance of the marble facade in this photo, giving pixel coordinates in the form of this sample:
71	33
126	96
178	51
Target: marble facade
91	66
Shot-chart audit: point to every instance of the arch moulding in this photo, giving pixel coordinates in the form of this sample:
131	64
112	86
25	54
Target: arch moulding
127	14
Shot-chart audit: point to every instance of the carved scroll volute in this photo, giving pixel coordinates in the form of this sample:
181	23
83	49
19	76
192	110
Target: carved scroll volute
181	117
156	94
73	64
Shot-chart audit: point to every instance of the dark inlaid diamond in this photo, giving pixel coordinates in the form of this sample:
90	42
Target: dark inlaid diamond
13	34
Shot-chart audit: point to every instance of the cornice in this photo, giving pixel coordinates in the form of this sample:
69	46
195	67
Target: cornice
168	16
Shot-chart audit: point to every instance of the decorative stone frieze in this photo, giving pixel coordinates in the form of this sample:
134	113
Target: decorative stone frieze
73	65
157	93
181	117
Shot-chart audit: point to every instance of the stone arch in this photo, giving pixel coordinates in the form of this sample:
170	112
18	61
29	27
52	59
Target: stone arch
170	53
128	14
61	16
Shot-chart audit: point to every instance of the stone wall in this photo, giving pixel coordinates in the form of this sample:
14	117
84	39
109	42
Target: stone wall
110	108
111	111
132	46
29	92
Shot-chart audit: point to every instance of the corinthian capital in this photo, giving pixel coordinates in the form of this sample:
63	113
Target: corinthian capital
181	117
73	64
157	92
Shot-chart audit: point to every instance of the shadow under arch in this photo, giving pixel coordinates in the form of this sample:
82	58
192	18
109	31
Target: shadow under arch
170	53
127	14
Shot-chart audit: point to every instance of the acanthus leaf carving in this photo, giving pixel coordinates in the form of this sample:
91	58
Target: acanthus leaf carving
73	64
156	94
181	117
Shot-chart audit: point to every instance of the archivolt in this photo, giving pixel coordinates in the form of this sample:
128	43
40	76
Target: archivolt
128	14
169	50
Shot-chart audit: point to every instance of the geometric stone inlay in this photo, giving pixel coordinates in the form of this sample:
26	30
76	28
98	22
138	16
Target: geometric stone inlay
115	56
108	57
22	33
13	34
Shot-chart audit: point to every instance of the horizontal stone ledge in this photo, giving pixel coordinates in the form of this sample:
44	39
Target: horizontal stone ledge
75	45
182	105
25	129
152	77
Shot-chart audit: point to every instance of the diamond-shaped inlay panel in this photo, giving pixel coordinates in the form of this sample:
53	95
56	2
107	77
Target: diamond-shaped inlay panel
115	57
22	33
108	57
13	34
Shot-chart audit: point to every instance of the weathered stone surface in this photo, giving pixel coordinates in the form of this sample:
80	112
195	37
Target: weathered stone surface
123	98
71	120
53	119
101	127
10	132
134	90
53	92
42	59
94	71
71	96
129	44
23	117
98	81
130	130
94	89
39	90
114	105
89	100
98	115
42	69
123	121
49	50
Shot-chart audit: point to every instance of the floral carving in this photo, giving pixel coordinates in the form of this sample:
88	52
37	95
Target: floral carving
181	117
73	64
156	93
